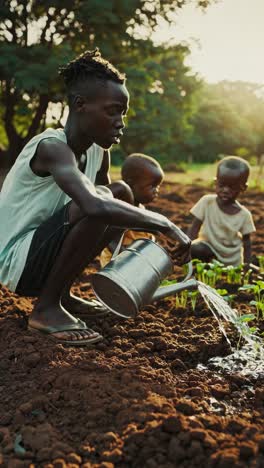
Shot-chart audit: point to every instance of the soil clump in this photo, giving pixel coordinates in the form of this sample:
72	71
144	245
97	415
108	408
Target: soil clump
138	398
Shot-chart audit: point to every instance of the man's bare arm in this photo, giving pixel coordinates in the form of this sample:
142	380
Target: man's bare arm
57	159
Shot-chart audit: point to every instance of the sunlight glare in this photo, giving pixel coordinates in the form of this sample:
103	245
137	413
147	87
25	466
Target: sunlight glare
230	38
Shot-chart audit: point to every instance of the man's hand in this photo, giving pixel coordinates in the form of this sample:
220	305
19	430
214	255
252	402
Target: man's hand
178	245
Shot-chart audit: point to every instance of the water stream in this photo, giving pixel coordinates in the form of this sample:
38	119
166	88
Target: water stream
249	360
221	309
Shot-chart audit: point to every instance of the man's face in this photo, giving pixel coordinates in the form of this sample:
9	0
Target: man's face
101	118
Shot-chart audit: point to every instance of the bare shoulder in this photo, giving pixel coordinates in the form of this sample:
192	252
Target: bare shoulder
53	148
51	153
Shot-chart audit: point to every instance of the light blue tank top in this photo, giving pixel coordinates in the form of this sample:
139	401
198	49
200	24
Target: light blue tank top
26	200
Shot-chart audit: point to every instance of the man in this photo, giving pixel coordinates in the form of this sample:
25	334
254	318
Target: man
54	220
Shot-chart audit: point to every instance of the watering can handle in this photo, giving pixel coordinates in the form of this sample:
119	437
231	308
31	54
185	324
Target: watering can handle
119	245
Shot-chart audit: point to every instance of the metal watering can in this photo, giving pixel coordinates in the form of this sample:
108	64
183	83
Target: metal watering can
132	278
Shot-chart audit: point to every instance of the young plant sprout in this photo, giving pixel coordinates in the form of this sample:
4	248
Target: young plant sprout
247	276
208	273
234	274
181	299
261	263
193	295
217	268
258	290
242	321
227	297
205	274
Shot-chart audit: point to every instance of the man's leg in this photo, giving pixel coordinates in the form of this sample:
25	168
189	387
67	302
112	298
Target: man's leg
93	308
84	241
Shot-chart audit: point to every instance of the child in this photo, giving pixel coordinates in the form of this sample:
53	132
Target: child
221	226
54	220
144	176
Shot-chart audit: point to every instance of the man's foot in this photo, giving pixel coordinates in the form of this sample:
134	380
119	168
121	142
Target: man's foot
87	309
62	326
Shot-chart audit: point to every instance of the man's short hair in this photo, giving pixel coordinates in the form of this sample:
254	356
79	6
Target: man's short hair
136	161
89	66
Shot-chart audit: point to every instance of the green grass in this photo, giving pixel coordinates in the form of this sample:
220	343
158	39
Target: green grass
201	174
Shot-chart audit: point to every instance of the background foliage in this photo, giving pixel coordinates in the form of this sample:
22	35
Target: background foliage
174	116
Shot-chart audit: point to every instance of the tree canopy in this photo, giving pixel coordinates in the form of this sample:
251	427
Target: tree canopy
229	116
173	115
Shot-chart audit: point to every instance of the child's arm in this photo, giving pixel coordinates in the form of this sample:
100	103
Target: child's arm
247	248
194	229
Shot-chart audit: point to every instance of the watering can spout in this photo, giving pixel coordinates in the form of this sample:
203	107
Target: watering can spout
172	289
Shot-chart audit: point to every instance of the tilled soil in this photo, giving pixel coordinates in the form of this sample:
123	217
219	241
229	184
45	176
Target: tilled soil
137	399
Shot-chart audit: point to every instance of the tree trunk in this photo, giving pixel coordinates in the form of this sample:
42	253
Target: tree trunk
15	146
16	141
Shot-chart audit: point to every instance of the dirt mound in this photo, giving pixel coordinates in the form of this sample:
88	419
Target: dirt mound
137	399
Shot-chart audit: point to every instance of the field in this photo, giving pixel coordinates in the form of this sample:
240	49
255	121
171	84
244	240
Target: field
145	396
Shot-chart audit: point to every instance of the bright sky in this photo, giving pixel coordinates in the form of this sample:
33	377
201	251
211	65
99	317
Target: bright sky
230	35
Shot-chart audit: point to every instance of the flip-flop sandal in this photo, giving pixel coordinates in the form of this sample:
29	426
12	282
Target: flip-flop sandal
79	325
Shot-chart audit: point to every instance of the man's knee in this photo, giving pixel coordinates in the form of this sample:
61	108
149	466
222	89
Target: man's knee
77	218
122	191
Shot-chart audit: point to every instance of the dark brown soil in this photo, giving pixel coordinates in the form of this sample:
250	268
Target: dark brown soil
137	399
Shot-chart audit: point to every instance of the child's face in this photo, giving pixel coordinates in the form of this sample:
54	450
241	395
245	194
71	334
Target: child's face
229	185
146	187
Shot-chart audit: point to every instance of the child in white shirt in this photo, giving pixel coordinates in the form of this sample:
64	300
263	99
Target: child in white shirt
221	226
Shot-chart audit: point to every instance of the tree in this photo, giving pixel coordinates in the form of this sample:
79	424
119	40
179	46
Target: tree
230	115
36	33
162	89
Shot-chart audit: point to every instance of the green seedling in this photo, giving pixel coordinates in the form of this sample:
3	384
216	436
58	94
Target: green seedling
193	298
247	276
205	275
227	297
200	267
168	282
222	292
260	308
181	300
217	267
242	325
234	274
208	273
258	290
261	263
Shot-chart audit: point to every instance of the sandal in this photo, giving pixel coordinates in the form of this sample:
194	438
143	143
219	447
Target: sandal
79	325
